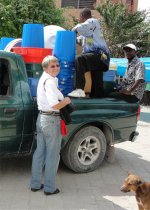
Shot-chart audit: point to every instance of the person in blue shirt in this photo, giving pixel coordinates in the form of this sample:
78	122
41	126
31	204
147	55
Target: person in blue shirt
95	56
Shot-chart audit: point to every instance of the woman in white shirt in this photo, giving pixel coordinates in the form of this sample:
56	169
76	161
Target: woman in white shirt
47	154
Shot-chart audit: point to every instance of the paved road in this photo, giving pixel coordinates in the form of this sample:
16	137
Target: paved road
98	190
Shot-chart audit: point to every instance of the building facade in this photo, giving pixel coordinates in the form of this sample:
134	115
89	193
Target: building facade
74	7
79	4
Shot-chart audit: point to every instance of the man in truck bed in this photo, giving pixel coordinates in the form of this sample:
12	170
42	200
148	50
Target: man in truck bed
132	86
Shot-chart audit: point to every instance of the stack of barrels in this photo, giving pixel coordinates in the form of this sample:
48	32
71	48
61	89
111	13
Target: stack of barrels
33	51
65	50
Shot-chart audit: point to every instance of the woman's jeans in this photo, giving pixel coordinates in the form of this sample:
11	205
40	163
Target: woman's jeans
47	152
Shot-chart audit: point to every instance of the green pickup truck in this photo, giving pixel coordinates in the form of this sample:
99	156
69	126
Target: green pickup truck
97	124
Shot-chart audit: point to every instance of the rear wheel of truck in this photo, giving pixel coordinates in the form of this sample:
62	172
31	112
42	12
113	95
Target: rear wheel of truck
86	150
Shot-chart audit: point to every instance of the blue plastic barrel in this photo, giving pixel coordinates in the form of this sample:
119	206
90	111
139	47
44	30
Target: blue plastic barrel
4	42
147	74
33	35
65	45
122	65
121	69
109	75
66	77
0	45
145	59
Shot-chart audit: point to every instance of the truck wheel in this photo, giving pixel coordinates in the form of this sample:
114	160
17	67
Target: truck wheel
86	151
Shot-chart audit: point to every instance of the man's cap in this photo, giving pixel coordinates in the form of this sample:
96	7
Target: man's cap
132	46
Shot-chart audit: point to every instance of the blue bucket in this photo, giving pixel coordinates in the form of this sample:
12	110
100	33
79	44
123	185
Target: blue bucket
33	35
4	42
65	45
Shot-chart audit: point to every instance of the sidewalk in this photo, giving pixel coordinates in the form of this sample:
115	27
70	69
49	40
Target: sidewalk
98	190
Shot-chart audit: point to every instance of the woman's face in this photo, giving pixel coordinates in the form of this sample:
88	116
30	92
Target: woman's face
53	68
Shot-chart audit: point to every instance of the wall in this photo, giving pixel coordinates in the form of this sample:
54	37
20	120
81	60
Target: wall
75	12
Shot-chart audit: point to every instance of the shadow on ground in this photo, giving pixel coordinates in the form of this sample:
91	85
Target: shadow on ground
104	183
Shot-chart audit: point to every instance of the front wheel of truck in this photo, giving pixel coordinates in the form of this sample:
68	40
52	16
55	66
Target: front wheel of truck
85	151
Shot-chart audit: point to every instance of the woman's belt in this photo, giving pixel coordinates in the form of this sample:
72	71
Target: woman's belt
50	113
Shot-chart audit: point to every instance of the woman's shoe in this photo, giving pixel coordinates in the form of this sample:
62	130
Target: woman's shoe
35	189
55	192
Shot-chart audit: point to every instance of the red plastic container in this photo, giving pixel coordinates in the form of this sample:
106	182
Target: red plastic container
32	55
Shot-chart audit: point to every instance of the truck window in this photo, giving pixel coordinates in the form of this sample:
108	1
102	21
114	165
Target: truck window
4	77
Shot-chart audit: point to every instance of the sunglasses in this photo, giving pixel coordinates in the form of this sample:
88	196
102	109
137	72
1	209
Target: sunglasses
53	66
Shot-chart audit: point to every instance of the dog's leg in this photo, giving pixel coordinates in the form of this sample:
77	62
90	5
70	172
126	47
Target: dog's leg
140	207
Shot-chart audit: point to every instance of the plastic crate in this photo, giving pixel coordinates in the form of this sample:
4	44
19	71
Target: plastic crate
34	70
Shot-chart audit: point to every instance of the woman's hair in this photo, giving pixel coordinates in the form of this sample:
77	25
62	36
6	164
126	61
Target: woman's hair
48	59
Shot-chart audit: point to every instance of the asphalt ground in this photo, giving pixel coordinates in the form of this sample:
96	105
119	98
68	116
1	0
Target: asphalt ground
98	190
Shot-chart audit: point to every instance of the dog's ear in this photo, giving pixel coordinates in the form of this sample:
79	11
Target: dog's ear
144	188
129	173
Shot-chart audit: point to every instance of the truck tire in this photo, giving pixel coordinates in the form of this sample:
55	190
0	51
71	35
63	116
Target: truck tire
86	150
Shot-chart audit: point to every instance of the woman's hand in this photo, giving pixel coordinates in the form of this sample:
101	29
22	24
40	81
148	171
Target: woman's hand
67	100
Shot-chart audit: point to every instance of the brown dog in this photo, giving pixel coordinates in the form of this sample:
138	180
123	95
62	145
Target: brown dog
140	188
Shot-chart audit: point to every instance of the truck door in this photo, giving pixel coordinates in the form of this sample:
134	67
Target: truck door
11	107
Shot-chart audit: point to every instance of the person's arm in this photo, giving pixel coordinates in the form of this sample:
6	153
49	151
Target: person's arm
76	28
84	29
62	103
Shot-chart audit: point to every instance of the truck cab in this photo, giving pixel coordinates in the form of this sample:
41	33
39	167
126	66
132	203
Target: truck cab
16	106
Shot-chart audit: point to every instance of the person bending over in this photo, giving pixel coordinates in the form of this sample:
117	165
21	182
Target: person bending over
95	56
